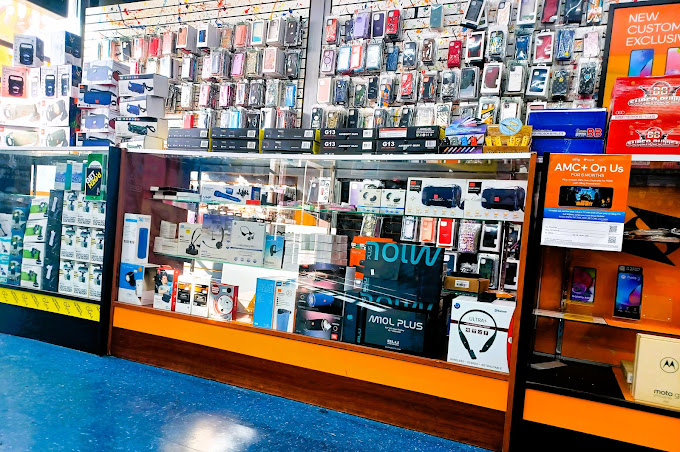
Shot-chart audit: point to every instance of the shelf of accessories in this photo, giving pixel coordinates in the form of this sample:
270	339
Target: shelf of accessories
646	325
218	261
244	323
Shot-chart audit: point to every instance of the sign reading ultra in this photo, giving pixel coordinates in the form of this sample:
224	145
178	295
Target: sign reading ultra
585	201
50	303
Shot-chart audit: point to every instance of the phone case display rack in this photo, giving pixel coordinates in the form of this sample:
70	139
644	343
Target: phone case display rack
65	289
154	335
451	26
122	24
590	306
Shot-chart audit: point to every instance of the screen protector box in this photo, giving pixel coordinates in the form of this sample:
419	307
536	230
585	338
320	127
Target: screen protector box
480	334
655	378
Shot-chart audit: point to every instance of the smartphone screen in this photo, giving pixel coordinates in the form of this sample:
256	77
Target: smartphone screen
583	285
673	61
640	64
628	292
596	197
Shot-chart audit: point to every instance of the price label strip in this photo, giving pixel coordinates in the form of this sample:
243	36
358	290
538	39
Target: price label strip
50	303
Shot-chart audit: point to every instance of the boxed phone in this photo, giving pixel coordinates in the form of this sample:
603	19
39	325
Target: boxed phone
406	146
183	303
143	105
655	378
480	333
392	201
66	276
437	197
222	301
199	299
81	279
143	85
273	251
165	291
95	281
66	48
29	51
128	127
135	248
495	200
215	236
103	72
342	146
348	134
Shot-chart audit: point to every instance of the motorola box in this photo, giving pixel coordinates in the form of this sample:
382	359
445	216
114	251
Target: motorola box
406	146
29	51
135	248
656	378
341	146
103	72
496	200
127	127
188	143
165	292
289	145
143	106
425	132
189	238
436	197
188	133
221	144
222	301
292	134
480	334
143	85
223	133
348	134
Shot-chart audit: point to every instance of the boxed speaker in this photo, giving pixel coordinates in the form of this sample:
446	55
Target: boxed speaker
435	197
136	85
495	200
29	51
165	291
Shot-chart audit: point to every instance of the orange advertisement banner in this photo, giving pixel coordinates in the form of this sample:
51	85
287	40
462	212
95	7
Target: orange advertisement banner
643	40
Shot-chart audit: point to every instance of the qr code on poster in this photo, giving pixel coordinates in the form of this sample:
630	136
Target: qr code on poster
611	239
612	229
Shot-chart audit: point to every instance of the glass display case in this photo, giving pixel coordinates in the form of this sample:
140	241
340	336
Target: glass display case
57	223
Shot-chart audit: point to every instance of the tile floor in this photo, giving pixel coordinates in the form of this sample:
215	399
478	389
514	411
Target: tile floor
52	398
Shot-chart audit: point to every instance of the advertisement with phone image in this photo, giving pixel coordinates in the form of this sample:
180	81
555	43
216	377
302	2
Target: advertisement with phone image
582	285
585	201
628	292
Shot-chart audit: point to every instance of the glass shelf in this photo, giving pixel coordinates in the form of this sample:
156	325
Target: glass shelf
649	326
219	261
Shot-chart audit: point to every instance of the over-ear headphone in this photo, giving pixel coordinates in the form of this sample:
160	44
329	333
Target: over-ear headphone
247	233
191	249
487	344
219	244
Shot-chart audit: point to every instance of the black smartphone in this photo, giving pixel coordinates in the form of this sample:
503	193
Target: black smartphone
628	292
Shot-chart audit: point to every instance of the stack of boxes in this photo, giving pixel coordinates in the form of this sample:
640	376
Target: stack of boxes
196	139
308	249
579	131
235	140
347	141
137	278
13	227
274	304
141	121
291	140
409	140
38	102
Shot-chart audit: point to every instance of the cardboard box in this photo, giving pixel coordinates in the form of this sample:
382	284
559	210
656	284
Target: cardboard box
31	276
29	51
188	143
462	284
222	301
165	292
655	378
98	214
66	48
143	85
541	145
68	242
143	106
183	304
290	145
584	123
84	210
53	137
495	200
654	97
248	235
235	145
273	251
199	299
406	146
19	111
284	306
481	333
69	77
265	297
291	134
59	112
395	329
49	82
83	244
344	146
216	236
435	197
425	132
98	97
223	133
66	276
369	200
97	242
129	127
136	284
135	248
348	134
95	281
100	120
81	279
628	370
392	201
174	132
230	193
189	238
33	254
15	82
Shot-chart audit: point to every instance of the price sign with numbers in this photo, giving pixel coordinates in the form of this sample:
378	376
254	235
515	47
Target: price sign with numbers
585	201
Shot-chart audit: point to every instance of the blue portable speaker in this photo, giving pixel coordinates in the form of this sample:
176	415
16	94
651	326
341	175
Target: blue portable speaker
442	196
511	199
26	53
50	85
315	300
142	243
282	316
94	96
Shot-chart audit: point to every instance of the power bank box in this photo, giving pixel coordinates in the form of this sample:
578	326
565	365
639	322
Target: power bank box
188	143
273	251
429	132
222	301
348	134
290	145
199	299
165	291
291	134
577	123
215	236
66	276
392	201
406	146
29	51
143	85
495	200
189	133
103	72
223	133
129	127
135	248
183	303
189	238
480	334
342	146
655	378
435	197
219	144
144	106
66	48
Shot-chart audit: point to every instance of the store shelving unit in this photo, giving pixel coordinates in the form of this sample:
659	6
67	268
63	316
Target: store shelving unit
431	395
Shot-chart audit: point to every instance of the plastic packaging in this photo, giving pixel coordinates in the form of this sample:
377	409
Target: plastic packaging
510	107
428	87
408	87
292	63
428	50
273	93
450	85
341	91
560	83
475	47
392	59
328	61
374	56
256	93
386	91
357	62
242	90
344	57
488	109
468	236
331	33
324	90
491	78
565	44
469	81
497	43
253	63
227	94
538	82
424	115
442	115
587	74
515	76
409	58
543	47
522	47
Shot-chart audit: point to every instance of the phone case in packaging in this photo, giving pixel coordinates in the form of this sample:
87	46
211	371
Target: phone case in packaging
408	84
487	267
560	83
290	95
469	81
378	25
349	29
374	56
550	8
538	82
360	94
453	56
273	93
406	116
386	91
587	73
227	37
227	95
488	109
565	44
468	110
276	31
428	87
510	107
526	12
317	118
238	65
253	63
497	42
410	55
331	33
409	229
515	78
373	86
272	62
428	51
335	118
241	93
258	36
324	90
436	17
292	63
591	44
425	115
491	78
393	25
442	115
573	11
450	84
594	12
357	62
256	93
341	91
169	43
475	47
468	236
543	47
362	25
392	59
328	61
474	11
380	118
343	58
522	47
503	12
242	35
292	36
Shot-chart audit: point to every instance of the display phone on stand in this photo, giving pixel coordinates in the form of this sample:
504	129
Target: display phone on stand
640	64
673	61
628	292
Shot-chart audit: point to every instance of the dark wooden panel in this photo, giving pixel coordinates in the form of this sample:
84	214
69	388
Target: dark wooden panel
458	421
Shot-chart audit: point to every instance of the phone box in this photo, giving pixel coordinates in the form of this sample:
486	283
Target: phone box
392	201
83	243
423	132
31	276
436	197
103	72
29	51
33	253
127	127
541	145
369	200
199	299
221	192
81	279
165	292
222	301
69	77
183	303
135	248
14	82
215	236
144	106
480	334
235	145
408	146
66	276
273	251
188	143
577	123
143	85
189	238
291	134
66	48
495	200
68	242
655	378
95	281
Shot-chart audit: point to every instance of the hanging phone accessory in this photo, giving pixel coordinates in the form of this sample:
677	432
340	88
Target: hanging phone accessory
560	83
410	55
450	85
523	47
455	51
594	12
573	11
543	47
591	44
442	114
436	17
491	78
475	47
503	12
527	12
587	74
392	60
516	75
510	107
469	81
538	82
472	16
428	50
428	86
550	8
328	61
374	56
488	109
565	44
497	42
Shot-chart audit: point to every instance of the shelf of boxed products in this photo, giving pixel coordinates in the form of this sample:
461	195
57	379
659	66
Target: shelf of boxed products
244	323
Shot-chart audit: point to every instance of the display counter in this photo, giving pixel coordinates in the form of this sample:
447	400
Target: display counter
361	272
57	228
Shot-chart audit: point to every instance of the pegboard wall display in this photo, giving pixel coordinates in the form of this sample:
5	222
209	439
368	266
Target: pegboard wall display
417	63
231	63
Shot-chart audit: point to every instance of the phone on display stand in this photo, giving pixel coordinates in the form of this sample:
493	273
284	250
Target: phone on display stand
628	300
